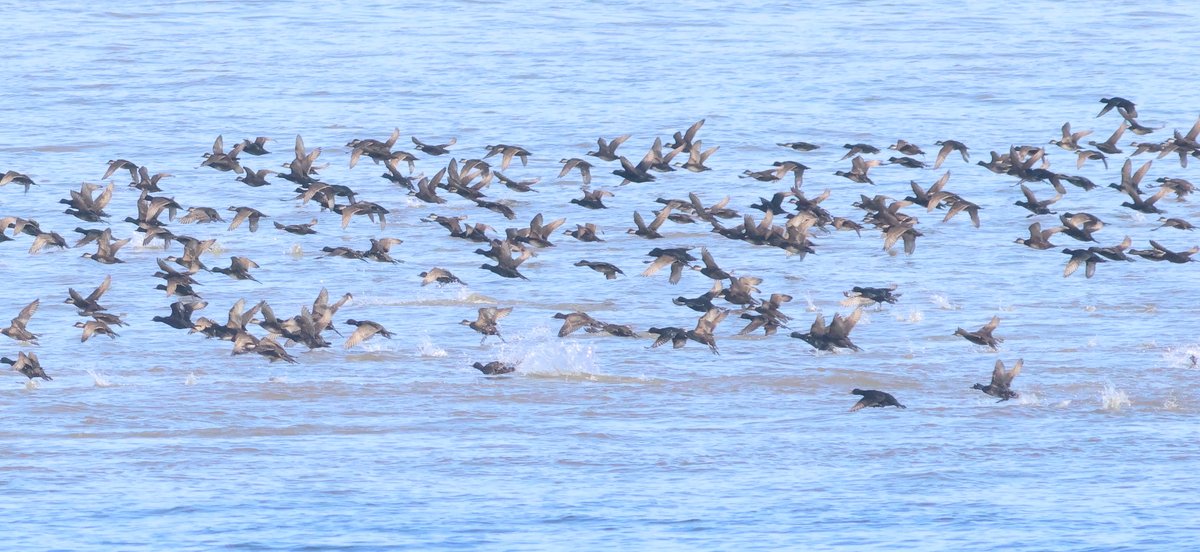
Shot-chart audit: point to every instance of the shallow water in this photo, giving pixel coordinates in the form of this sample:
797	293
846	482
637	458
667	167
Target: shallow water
162	440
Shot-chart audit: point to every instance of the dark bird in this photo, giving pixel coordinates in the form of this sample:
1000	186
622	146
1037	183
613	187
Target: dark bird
573	321
106	249
1001	384
439	275
1125	107
298	229
871	397
907	148
1034	205
256	147
27	364
649	231
834	336
1110	146
244	214
677	337
635	173
494	368
434	149
857	149
181	314
982	336
506	153
506	265
872	295
1038	238
221	160
17	178
677	257
799	146
947	147
1161	253
255	178
93	328
1070	140
608	150
88	305
380	250
121	164
697	157
486	322
366	329
1175	223
685	140
585	169
592	199
703	333
239	268
16	329
608	270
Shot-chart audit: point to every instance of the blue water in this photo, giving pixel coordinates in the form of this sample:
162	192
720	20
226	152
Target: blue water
161	440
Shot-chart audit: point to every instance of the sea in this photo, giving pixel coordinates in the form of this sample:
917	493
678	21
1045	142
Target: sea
161	439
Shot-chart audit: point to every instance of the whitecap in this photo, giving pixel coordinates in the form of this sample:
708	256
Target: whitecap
98	379
942	302
1112	398
427	349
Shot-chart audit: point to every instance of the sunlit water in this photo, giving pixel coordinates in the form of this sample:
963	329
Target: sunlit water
162	440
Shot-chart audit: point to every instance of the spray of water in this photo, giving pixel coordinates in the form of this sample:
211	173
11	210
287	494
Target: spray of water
1112	398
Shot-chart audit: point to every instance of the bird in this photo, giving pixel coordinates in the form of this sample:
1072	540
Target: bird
696	157
1038	238
494	368
486	322
506	153
906	147
607	151
239	268
365	329
1034	205
302	229
947	147
703	333
861	295
609	271
649	231
16	329
1126	108
799	146
95	327
1085	257
244	214
439	275
434	149
585	169
257	146
181	314
1109	146
27	364
573	321
676	257
88	305
982	336
106	249
1001	384
592	199
1070	140
871	397
834	336
255	178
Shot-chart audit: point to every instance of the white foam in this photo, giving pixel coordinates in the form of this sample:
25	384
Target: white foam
942	302
1112	398
427	349
98	379
913	316
191	379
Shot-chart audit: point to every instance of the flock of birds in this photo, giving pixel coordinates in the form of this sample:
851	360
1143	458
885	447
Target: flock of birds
788	220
